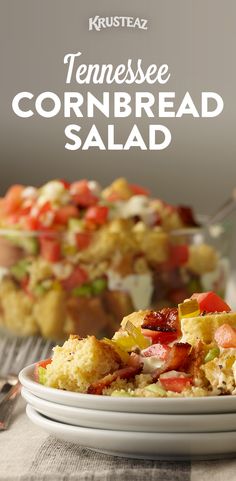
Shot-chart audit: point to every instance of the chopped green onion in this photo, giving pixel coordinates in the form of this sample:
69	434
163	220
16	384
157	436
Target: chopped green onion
99	285
82	291
39	290
42	375
19	270
75	225
212	354
121	393
156	389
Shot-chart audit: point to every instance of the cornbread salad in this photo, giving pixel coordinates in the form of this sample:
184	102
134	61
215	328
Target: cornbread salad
76	259
186	351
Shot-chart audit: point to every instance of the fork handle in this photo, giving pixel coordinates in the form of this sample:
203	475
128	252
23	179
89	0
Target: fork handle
7	405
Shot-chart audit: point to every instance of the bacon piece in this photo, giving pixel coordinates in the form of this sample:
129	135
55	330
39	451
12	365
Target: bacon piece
135	367
177	359
187	216
164	320
195	360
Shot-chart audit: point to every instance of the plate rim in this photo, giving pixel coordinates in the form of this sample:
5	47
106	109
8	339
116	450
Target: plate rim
120	433
33	386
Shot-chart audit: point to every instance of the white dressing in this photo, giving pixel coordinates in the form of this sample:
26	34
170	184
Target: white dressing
139	286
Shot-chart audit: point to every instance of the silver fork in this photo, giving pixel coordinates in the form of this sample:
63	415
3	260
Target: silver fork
16	353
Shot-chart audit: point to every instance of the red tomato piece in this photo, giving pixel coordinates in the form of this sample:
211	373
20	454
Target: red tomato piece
32	223
162	337
114	197
178	255
21	212
175	384
65	213
40	364
82	194
25	286
65	183
45	208
139	190
78	277
50	249
97	214
159	350
210	302
225	336
13	199
83	240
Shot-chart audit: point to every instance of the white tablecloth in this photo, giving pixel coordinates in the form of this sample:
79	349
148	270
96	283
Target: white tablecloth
28	454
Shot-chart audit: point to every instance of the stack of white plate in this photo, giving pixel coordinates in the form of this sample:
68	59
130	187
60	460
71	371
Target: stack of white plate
150	428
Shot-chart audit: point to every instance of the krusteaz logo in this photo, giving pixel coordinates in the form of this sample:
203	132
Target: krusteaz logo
98	23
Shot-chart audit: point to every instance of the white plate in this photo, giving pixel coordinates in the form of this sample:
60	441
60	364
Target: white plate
213	404
161	423
142	444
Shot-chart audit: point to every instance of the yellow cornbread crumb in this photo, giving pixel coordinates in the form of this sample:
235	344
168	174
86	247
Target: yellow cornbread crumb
204	327
79	362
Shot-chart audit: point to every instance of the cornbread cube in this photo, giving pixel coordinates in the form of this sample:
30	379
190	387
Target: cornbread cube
136	318
220	372
79	362
50	314
203	327
17	309
202	258
109	239
154	243
120	187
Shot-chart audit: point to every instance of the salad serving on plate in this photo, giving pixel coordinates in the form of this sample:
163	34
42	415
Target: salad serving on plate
76	259
189	351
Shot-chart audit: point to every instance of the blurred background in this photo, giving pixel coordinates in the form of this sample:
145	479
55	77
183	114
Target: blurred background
196	40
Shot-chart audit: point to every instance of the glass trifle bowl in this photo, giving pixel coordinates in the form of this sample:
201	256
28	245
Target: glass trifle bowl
76	259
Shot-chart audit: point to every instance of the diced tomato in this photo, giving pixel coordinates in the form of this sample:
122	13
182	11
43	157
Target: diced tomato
225	336
21	212
139	190
82	194
176	384
40	364
97	215
159	350
65	213
50	249
210	302
13	199
25	286
78	277
178	255
162	337
47	207
83	240
32	223
65	183
114	197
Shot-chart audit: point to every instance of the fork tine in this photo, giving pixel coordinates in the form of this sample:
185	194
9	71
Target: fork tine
8	355
47	350
30	353
16	353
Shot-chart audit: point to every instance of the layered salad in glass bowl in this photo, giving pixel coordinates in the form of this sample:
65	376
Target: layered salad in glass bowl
76	258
